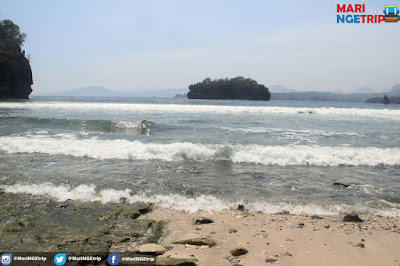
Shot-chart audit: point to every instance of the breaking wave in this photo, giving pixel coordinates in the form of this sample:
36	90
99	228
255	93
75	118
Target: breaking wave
137	127
181	108
141	127
179	151
89	193
308	132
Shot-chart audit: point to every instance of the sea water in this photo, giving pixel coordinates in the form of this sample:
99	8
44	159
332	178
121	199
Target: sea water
205	154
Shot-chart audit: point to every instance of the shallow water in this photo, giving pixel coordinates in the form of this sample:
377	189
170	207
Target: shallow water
203	154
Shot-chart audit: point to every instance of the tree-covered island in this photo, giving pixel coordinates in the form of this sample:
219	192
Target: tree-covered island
15	70
237	88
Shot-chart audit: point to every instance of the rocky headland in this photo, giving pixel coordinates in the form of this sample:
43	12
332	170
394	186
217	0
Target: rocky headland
15	70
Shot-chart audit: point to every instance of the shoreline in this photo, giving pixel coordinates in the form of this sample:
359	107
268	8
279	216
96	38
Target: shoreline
229	237
281	238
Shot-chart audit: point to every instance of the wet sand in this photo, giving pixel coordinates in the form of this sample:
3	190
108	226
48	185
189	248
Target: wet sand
282	239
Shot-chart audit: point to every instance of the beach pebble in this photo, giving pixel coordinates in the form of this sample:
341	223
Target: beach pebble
341	184
197	242
352	218
239	252
168	248
316	217
150	249
233	260
360	245
232	231
204	220
300	225
271	260
240	207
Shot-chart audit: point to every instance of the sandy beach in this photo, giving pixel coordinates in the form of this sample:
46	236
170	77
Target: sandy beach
228	237
282	239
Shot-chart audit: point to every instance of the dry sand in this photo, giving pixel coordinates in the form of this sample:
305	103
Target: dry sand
282	237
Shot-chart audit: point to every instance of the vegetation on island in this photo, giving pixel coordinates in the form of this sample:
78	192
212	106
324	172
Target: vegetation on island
183	95
15	70
238	88
385	100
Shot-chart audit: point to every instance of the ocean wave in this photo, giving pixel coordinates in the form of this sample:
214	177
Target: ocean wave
89	193
179	151
216	109
288	132
142	127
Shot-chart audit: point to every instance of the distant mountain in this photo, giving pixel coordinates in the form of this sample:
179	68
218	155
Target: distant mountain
168	93
86	91
364	90
384	99
180	96
393	96
324	96
98	91
280	88
360	95
395	90
339	91
290	94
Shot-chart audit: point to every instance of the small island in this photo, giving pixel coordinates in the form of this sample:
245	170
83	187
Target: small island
15	70
183	95
385	100
237	88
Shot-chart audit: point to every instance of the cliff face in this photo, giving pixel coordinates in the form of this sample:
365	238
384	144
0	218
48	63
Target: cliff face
15	70
18	83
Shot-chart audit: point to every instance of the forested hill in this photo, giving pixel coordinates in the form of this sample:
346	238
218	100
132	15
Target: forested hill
15	70
237	88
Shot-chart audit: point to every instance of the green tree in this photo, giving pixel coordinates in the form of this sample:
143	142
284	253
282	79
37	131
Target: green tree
11	36
236	88
15	70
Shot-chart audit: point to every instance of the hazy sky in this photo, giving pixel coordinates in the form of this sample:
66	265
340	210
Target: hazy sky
130	45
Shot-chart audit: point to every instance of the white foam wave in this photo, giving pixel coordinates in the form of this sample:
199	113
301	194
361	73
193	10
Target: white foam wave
142	126
366	188
310	132
257	154
62	193
181	108
127	124
88	193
